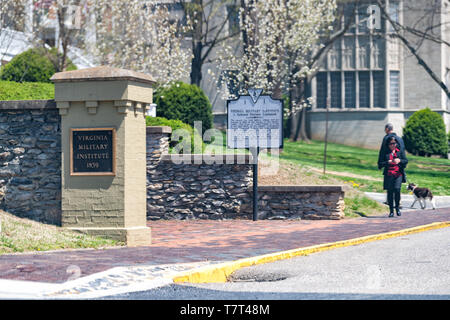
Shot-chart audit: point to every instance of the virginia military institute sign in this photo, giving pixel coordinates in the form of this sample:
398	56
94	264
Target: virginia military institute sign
92	151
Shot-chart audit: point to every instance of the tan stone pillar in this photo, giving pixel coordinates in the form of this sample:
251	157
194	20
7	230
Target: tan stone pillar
103	140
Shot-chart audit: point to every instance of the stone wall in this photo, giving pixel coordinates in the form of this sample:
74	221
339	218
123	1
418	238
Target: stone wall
30	160
204	191
195	187
301	202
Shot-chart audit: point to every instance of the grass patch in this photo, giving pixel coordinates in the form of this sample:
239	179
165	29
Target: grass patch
23	235
10	90
433	173
365	185
359	205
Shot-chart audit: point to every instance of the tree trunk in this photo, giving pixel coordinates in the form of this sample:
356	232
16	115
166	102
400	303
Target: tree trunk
301	127
301	134
245	36
196	11
298	119
196	64
63	40
294	92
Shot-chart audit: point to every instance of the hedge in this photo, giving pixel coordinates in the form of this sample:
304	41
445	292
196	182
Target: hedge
175	124
10	90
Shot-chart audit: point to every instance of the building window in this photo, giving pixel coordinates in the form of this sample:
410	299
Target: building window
349	53
378	50
378	89
370	84
393	12
233	19
336	100
394	89
335	56
350	90
362	18
363	52
349	16
354	71
321	90
364	89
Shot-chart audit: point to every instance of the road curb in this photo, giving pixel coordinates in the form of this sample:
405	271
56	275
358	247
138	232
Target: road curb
220	272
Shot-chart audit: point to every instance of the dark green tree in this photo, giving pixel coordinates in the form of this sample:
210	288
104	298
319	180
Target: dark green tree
184	102
33	65
424	134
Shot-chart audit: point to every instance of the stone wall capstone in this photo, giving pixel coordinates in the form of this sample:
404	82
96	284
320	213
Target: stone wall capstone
30	160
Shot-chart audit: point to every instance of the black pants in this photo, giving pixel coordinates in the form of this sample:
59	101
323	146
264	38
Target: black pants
394	185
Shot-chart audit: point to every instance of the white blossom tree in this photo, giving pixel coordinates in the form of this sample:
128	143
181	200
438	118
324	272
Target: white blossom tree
142	36
210	25
280	39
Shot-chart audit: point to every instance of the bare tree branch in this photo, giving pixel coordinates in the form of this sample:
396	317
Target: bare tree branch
408	45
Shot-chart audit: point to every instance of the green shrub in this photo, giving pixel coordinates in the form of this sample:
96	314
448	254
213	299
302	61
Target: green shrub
10	90
184	102
33	65
424	134
175	125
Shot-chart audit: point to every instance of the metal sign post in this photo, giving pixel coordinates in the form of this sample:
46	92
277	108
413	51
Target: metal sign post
255	183
255	121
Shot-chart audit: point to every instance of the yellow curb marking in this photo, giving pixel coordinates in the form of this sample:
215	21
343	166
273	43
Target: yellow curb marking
220	272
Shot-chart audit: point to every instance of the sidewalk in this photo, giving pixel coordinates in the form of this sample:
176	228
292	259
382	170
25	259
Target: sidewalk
181	245
408	199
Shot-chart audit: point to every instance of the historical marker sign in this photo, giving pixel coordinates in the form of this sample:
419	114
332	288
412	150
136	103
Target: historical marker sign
92	151
255	121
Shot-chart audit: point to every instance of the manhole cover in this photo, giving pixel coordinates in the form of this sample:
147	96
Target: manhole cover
257	277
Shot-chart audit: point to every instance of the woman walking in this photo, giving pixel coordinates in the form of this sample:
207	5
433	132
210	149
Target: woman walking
394	163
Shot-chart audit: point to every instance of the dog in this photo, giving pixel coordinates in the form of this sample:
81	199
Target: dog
420	194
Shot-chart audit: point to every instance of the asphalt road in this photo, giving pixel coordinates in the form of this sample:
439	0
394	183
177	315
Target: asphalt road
416	266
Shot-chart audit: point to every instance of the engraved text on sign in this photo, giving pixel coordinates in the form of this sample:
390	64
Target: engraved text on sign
92	151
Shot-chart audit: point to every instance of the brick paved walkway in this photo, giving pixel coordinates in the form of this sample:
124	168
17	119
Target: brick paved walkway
196	241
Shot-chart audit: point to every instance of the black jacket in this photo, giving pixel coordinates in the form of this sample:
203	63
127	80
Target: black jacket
384	163
384	148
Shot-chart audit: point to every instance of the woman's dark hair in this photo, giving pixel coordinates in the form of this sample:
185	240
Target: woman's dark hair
389	140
